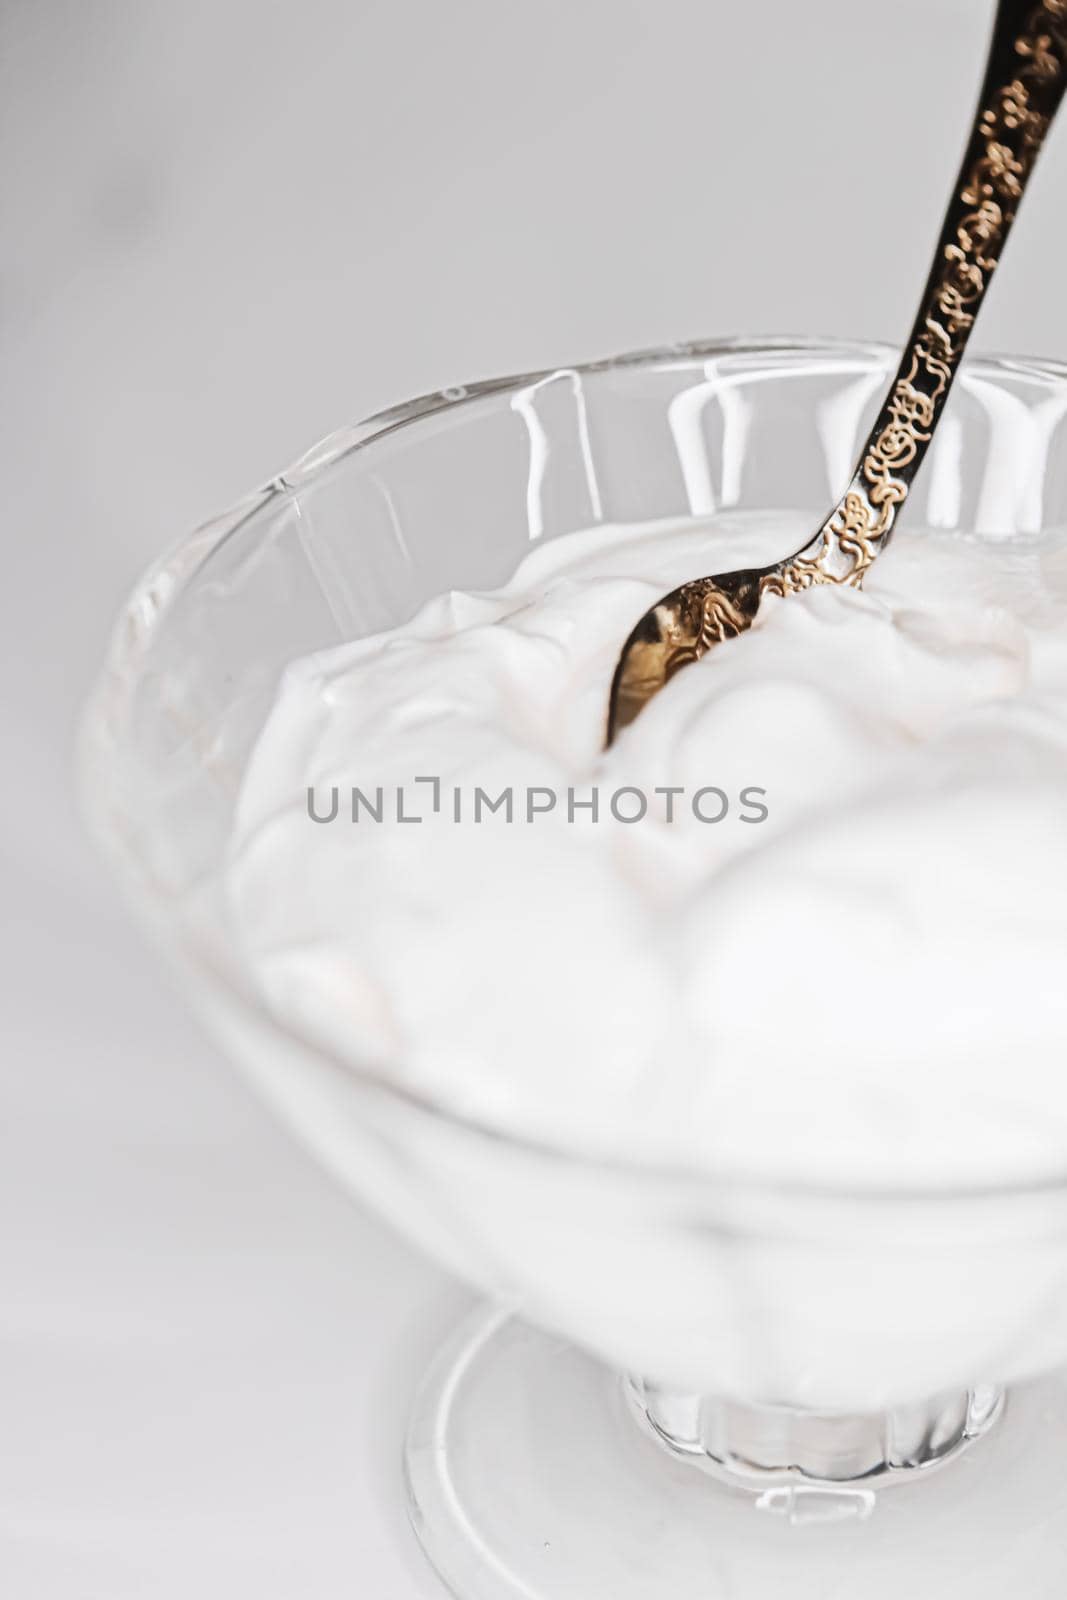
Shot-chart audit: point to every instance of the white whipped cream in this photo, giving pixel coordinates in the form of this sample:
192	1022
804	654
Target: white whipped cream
868	986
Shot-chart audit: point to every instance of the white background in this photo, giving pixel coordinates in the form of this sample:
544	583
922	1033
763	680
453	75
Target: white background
226	229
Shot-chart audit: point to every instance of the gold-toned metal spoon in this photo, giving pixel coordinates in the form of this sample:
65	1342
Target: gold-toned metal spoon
1024	82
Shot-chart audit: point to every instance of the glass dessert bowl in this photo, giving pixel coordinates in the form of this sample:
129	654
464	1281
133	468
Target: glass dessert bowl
687	1362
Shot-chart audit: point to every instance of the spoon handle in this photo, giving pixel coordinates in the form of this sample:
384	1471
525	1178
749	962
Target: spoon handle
1024	83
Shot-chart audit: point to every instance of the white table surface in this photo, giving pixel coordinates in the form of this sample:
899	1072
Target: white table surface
226	229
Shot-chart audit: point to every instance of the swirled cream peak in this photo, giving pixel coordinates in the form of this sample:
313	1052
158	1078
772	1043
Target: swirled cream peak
862	984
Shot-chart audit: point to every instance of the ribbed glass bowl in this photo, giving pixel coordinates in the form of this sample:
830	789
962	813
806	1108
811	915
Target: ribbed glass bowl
730	1301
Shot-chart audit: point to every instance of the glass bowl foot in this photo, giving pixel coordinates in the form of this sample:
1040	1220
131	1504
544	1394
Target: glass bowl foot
528	1479
758	1447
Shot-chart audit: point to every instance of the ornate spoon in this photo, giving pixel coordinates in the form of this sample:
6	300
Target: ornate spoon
1023	85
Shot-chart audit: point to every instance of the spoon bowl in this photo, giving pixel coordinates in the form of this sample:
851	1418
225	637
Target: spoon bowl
678	630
